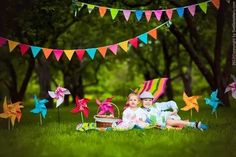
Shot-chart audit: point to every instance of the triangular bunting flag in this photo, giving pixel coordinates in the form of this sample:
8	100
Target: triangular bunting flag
124	45
12	45
192	9
144	38
58	54
90	8
91	52
2	41
35	50
126	14
113	48
79	5
203	6
148	15
102	11
103	51
139	14
69	53
180	11
114	12
80	54
216	3
169	13
134	42
23	48
47	52
153	33
158	14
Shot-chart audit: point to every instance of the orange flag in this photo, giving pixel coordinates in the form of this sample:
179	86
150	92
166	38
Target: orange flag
103	51
153	33
47	52
216	3
102	11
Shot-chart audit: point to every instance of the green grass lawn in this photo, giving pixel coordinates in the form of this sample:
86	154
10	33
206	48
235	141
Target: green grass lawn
52	139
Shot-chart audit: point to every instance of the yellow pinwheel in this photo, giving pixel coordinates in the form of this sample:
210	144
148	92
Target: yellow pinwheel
12	111
191	102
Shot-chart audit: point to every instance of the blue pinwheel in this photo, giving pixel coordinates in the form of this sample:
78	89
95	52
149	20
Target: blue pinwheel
213	101
40	107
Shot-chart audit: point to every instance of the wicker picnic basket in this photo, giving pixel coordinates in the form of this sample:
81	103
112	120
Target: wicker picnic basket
104	121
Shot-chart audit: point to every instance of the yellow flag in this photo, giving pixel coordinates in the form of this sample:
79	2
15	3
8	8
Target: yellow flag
124	45
69	53
12	45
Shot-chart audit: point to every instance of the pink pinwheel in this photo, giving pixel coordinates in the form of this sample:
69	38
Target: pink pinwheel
232	87
81	106
59	95
105	106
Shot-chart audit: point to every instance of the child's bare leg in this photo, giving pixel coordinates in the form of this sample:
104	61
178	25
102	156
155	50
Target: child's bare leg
176	123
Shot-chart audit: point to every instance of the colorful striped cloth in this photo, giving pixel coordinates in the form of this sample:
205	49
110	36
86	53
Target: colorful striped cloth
156	87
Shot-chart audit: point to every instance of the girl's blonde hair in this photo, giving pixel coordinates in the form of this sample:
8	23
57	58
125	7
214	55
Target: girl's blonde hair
128	97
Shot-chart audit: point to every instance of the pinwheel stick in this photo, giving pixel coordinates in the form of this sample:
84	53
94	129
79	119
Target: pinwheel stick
40	119
191	113
82	117
216	114
58	115
9	124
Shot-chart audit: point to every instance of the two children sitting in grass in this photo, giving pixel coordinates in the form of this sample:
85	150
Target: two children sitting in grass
149	115
152	115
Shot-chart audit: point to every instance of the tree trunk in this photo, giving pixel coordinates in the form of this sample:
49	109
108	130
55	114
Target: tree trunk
168	60
186	77
44	78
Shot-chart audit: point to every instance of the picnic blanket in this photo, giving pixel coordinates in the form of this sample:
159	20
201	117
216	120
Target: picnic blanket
92	126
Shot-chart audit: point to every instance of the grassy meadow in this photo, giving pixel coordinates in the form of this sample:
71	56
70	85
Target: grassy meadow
28	138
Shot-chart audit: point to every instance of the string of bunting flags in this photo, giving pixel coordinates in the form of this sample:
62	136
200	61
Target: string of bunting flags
134	42
148	13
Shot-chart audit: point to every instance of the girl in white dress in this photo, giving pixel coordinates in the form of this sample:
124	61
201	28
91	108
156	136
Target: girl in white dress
133	115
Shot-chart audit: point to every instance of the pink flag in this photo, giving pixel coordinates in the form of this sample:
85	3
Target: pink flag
127	14
113	48
158	14
192	9
58	54
23	48
148	15
80	54
134	42
2	41
169	13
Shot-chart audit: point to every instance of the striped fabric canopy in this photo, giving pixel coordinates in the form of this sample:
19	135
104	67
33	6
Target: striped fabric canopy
156	87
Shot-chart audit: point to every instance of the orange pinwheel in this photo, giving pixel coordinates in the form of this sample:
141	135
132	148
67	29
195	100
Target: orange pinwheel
191	102
12	111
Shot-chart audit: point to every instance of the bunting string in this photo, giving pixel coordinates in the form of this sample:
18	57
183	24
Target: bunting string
148	13
124	45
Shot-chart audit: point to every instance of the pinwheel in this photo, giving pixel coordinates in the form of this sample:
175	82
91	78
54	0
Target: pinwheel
81	106
191	102
232	87
12	112
156	87
213	101
40	108
59	95
105	106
